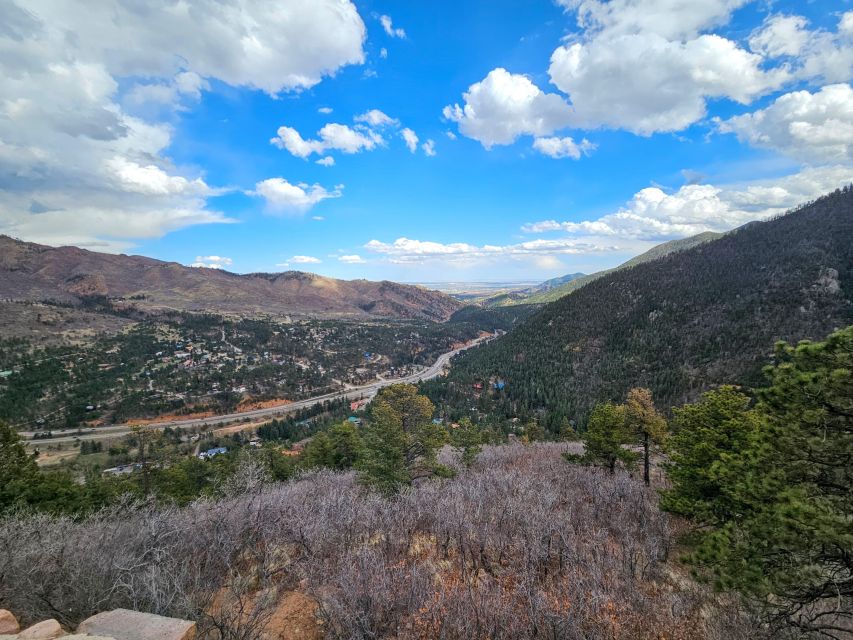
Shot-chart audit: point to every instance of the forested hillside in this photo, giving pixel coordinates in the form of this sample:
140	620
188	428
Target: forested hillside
677	325
492	318
576	281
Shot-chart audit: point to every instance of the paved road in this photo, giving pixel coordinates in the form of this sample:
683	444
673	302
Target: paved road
366	391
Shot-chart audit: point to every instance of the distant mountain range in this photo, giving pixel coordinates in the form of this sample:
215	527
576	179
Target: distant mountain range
680	323
524	296
33	272
556	288
554	283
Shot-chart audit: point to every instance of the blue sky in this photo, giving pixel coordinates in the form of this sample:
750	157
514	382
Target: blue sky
552	137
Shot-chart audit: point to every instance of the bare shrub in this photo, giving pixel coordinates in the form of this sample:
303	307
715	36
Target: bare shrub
521	545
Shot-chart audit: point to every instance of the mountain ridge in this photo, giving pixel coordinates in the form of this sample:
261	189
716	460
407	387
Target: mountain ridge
573	284
35	272
680	324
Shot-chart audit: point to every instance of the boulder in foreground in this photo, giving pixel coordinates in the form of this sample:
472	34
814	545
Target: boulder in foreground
8	623
133	625
45	630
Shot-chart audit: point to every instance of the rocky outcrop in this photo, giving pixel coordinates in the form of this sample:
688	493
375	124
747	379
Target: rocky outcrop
119	624
133	625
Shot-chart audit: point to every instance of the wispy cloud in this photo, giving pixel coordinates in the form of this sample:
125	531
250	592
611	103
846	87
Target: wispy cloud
388	26
411	251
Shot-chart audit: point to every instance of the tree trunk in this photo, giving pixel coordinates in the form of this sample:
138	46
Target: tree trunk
646	458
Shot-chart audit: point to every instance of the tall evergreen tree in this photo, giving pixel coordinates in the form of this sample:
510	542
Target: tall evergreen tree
790	544
769	488
318	451
719	424
605	438
382	463
646	423
18	470
23	484
467	440
337	448
401	442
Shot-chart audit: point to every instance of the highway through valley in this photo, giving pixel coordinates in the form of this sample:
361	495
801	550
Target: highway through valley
353	393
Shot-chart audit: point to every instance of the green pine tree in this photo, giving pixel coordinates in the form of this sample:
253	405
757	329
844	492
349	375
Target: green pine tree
769	488
382	463
337	448
401	442
719	424
18	470
24	485
567	432
467	440
318	452
534	431
604	440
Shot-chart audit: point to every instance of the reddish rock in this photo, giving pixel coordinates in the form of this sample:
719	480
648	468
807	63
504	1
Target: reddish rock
44	630
8	623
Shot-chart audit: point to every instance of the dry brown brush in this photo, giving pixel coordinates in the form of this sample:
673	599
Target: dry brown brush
520	546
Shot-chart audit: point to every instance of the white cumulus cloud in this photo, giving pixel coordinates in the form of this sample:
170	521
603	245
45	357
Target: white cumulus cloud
410	251
352	259
151	180
185	86
333	136
283	197
812	127
673	19
504	106
827	56
654	215
85	95
253	43
780	35
363	136
304	260
645	83
652	66
651	216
